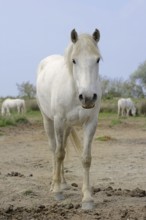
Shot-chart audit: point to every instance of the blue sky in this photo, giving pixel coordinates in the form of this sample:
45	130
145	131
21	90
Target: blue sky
34	29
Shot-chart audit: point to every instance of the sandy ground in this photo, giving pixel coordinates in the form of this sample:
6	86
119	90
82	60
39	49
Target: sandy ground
118	174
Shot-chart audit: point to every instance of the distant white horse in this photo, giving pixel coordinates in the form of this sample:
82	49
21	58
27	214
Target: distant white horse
68	94
125	106
8	104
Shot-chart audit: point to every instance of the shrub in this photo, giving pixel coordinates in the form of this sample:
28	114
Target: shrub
142	108
108	107
21	120
6	121
12	120
31	105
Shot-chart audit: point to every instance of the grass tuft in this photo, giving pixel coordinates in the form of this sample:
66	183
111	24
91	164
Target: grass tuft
13	120
28	192
115	122
104	138
7	121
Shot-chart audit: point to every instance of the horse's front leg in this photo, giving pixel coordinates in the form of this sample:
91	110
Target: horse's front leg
128	112
18	109
89	131
59	157
123	112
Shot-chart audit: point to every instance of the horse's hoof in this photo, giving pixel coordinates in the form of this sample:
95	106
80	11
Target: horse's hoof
59	196
88	205
64	186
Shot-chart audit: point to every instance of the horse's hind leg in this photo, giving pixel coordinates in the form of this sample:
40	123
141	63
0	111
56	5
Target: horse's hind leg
20	109
49	129
3	111
59	157
63	180
123	112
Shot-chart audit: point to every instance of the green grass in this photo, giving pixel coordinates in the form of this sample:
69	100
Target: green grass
29	192
108	114
7	121
13	120
31	116
21	120
111	118
115	122
34	116
104	138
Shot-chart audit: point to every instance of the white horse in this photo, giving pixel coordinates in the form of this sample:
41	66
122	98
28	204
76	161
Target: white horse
125	106
8	104
69	94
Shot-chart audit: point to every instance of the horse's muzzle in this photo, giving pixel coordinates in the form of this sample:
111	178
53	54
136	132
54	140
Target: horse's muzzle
88	102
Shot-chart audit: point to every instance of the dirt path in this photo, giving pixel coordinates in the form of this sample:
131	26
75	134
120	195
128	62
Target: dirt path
118	174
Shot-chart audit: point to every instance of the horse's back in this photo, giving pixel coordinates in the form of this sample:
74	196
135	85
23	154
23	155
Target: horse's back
20	101
129	103
13	102
49	68
49	62
50	72
129	100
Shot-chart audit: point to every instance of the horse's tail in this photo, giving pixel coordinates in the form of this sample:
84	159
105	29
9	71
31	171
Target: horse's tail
75	140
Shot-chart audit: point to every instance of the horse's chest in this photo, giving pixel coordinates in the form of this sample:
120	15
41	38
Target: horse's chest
77	116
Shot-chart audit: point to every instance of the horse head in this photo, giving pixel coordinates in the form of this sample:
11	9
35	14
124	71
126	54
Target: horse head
85	58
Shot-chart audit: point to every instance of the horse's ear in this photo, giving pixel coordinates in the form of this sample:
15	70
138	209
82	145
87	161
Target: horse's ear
96	35
74	36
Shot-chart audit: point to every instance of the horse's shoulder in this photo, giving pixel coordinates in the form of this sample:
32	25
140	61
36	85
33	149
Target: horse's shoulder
129	100
6	100
50	59
121	100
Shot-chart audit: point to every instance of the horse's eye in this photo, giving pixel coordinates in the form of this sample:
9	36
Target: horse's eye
73	61
98	60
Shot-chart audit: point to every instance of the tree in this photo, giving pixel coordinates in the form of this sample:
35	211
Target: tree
26	89
131	89
139	76
111	87
120	88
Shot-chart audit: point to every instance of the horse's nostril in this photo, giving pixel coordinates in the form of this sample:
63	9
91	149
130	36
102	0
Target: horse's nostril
94	96
80	97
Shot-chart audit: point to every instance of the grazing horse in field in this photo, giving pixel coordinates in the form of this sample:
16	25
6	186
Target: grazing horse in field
69	94
8	104
125	106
